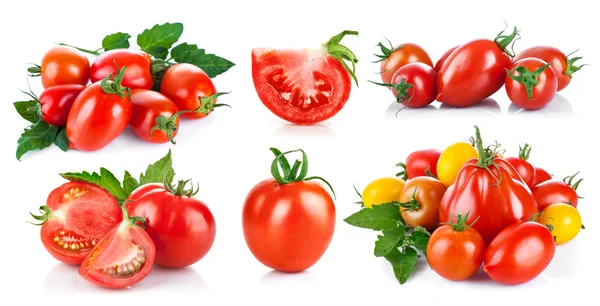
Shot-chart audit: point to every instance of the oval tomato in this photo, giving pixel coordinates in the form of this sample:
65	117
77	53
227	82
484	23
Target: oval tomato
175	220
413	85
519	253
523	167
382	190
148	105
304	86
420	163
100	114
443	58
138	63
563	66
541	176
486	180
557	191
76	216
530	83
288	222
420	202
455	251
122	258
563	221
452	159
394	58
56	102
474	71
62	65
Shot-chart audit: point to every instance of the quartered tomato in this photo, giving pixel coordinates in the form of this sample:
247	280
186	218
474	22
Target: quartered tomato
394	58
563	66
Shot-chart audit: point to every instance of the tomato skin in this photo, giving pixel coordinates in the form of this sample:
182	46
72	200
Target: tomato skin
542	93
519	253
423	78
473	72
428	193
288	227
185	84
554	191
63	65
556	58
565	220
56	102
404	54
97	118
524	168
455	255
443	58
382	190
147	106
419	162
452	159
175	223
138	64
541	176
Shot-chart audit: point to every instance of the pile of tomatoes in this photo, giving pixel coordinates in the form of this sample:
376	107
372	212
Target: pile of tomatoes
469	73
481	208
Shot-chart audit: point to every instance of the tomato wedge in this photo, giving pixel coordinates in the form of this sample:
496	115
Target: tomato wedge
304	86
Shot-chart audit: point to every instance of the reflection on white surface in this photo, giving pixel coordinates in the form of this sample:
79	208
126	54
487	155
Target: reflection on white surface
563	266
289	280
397	110
487	107
316	130
559	106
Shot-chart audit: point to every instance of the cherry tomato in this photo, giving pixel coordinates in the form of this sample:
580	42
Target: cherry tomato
138	63
531	83
148	105
455	251
394	58
122	258
562	65
63	65
563	221
541	176
420	202
56	102
413	85
519	253
557	191
288	222
175	221
420	163
474	71
382	190
443	58
522	166
99	114
304	86
76	216
452	159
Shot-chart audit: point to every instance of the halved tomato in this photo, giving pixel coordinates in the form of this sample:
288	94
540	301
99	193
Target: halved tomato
304	86
76	216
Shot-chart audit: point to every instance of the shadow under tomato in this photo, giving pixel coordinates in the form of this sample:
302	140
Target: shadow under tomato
183	280
487	106
279	279
397	111
559	106
315	130
480	278
64	280
563	265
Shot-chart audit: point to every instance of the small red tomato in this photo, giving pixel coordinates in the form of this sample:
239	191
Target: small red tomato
562	65
523	167
56	102
148	106
394	58
413	85
420	163
442	60
138	63
541	176
63	65
530	83
556	191
519	253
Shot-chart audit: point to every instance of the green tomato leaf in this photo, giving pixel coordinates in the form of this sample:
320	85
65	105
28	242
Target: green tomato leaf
155	173
160	38
61	140
403	263
179	52
29	110
383	217
116	41
158	52
210	63
37	136
419	239
129	183
105	179
388	241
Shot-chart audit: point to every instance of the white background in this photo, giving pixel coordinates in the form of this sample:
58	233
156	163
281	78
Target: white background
228	151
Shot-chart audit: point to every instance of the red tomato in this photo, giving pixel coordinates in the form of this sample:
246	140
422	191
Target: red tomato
56	102
557	191
443	59
531	83
138	63
288	223
420	163
474	71
191	89
394	58
100	114
488	180
455	251
304	86
148	105
541	176
62	65
420	202
76	216
181	227
523	167
519	253
122	258
562	65
413	85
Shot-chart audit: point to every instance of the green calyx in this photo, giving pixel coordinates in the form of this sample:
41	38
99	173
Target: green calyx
401	89
292	174
180	189
35	70
524	152
529	79
343	53
487	155
570	180
402	174
45	215
385	51
207	104
167	125
412	204
461	222
571	68
135	220
112	84
504	41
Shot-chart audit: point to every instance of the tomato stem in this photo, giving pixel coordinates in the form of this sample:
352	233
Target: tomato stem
412	204
45	214
180	188
35	70
504	41
401	89
343	53
386	51
524	152
461	222
93	52
168	125
571	68
569	181
112	84
207	104
487	155
402	174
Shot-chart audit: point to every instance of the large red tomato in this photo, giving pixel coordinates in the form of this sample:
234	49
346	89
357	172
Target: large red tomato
523	167
138	63
394	58
491	190
148	106
563	66
288	221
530	83
56	102
420	163
474	71
557	191
62	65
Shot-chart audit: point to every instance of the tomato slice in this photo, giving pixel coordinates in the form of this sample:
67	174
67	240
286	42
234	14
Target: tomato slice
122	258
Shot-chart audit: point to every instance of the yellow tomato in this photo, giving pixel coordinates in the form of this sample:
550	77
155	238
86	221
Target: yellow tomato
452	160
563	219
381	191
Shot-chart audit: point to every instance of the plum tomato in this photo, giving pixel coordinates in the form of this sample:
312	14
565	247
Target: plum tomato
563	66
154	117
443	58
62	65
138	63
56	102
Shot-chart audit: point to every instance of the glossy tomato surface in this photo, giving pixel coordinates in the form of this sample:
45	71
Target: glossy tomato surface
63	65
56	102
187	85
541	93
138	74
422	162
402	55
420	202
554	191
443	58
382	190
524	168
288	227
556	58
563	221
147	106
452	159
541	176
421	81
